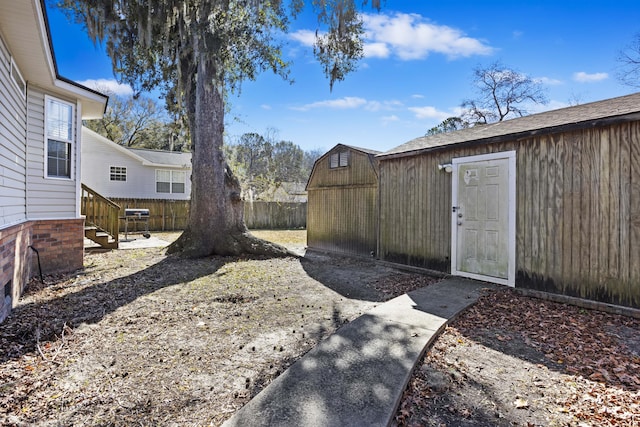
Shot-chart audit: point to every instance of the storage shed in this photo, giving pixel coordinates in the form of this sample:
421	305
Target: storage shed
342	207
549	202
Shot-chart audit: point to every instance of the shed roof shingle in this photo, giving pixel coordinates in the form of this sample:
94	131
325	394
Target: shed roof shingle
585	113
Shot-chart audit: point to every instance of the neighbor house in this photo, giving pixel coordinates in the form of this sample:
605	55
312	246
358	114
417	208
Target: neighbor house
40	139
548	202
119	172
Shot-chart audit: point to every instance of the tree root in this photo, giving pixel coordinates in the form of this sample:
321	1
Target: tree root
190	245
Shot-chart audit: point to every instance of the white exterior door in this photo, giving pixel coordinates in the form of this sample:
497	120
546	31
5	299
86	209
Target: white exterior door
483	218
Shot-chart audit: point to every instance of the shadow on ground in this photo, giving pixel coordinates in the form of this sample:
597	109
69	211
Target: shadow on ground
373	354
30	323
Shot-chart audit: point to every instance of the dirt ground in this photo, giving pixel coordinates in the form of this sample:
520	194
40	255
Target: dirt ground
517	361
138	338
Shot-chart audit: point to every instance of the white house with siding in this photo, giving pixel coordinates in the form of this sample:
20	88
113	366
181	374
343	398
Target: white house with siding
40	138
119	172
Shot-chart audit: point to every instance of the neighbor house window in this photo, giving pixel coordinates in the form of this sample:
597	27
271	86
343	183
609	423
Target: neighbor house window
170	181
339	160
118	173
59	137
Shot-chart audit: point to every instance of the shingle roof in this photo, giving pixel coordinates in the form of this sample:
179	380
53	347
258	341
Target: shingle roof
548	120
169	158
364	150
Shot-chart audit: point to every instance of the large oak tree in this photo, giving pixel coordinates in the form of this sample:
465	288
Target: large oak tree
198	51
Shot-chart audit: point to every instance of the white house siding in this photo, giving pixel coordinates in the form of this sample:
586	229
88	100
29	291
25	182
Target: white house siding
100	154
47	198
13	127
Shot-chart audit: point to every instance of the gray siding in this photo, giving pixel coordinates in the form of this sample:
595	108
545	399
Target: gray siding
13	127
99	154
47	197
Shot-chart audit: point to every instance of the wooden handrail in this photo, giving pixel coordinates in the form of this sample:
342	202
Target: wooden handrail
100	212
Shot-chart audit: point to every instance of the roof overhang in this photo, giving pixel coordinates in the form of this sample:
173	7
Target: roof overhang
127	152
514	136
24	28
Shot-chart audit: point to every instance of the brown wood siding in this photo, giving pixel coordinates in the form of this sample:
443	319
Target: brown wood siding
577	211
342	210
173	215
361	171
343	219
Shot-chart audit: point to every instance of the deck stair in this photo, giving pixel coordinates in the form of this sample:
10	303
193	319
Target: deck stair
102	223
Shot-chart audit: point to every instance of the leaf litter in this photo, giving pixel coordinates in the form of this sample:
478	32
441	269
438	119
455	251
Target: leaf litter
515	360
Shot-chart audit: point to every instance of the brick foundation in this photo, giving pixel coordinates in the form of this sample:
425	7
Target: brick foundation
59	244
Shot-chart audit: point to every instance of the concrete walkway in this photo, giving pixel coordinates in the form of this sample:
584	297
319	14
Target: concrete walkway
356	376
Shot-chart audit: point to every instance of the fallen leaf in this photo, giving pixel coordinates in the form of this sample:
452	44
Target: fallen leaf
521	403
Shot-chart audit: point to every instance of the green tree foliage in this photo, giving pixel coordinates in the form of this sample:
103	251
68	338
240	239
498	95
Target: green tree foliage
448	125
197	52
502	92
262	163
140	122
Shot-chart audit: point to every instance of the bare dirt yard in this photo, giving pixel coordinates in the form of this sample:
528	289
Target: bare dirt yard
138	338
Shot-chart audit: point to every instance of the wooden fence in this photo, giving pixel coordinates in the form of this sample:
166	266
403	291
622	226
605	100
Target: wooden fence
170	215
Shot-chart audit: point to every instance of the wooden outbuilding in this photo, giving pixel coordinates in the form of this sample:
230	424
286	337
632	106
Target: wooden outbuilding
342	209
549	202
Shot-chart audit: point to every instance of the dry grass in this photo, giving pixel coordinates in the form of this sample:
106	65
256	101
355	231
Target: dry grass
138	338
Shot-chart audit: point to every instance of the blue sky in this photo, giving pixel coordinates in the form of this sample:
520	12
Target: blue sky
419	58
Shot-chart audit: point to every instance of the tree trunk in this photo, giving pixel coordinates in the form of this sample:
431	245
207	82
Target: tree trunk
216	218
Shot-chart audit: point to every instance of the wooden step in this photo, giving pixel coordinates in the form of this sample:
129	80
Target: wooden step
100	237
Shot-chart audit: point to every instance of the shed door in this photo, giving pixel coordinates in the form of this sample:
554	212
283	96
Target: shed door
483	218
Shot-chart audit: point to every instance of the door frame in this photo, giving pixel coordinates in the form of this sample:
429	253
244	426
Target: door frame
511	194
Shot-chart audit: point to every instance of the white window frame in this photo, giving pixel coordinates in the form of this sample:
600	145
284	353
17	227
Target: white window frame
71	142
17	79
117	171
172	181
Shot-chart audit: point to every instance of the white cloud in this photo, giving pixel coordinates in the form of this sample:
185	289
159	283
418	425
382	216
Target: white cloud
548	81
376	50
429	112
305	37
350	103
384	105
417	96
583	77
265	107
410	36
110	86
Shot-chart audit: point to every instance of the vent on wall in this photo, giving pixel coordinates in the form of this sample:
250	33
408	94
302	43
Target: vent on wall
7	289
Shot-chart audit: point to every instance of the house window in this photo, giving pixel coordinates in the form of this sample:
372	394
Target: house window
118	173
339	160
170	181
59	137
17	79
